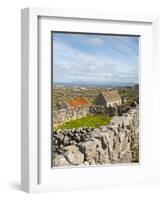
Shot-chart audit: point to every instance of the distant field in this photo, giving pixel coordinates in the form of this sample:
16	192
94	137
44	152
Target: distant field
60	94
93	121
64	93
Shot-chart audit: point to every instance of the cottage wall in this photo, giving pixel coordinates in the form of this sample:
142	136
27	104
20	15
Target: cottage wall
100	100
64	105
114	103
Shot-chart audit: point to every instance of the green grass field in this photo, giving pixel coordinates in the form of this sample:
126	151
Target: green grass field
93	121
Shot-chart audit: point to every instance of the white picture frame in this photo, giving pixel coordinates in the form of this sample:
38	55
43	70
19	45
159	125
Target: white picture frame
36	172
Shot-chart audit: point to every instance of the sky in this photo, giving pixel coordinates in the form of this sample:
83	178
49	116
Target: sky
95	58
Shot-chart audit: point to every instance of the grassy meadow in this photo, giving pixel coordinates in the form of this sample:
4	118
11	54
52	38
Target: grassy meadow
92	121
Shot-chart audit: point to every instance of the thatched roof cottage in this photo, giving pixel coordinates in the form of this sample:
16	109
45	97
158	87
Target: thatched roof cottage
109	98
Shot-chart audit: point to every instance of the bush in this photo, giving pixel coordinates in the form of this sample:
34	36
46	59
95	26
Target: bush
112	111
121	109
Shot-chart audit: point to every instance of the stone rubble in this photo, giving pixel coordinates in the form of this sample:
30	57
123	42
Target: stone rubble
116	143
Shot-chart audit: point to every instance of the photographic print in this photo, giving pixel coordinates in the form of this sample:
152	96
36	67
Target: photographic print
95	99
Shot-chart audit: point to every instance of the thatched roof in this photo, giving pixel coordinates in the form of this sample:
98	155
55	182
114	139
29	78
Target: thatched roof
111	96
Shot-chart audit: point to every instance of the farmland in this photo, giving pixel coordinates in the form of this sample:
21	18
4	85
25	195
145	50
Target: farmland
61	93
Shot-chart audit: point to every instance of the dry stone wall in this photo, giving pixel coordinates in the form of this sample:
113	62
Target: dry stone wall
116	143
67	114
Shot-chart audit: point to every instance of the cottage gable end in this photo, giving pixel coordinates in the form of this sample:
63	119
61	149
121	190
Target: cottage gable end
109	98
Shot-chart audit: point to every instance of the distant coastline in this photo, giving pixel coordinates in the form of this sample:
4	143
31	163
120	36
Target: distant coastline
99	85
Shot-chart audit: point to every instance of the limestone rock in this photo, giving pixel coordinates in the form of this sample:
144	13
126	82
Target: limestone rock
89	149
60	160
73	155
66	140
117	142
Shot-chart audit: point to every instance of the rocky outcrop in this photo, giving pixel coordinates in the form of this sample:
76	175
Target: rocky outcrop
116	143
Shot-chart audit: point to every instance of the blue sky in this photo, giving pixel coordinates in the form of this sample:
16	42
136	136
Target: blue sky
97	59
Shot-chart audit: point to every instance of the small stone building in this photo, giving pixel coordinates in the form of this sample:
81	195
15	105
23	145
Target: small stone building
109	98
76	102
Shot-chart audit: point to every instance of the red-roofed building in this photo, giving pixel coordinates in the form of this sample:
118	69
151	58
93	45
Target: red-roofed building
76	102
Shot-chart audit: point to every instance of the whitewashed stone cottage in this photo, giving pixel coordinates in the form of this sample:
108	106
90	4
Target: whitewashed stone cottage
109	98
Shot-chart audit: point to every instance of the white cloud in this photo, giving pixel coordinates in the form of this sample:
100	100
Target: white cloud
72	65
95	41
